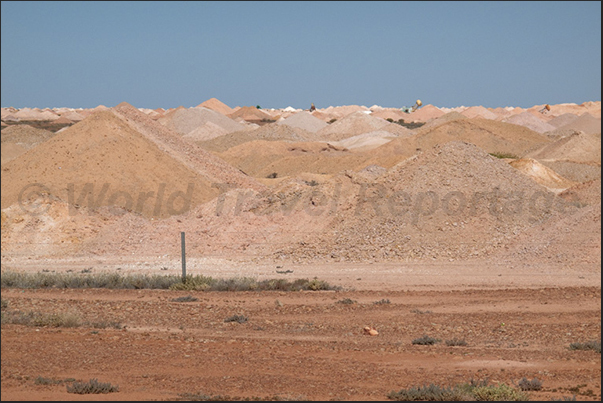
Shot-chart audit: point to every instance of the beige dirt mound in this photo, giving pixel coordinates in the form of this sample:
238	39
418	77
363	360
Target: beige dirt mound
263	158
322	116
542	174
587	193
389	113
578	147
479	112
448	117
184	121
304	120
562	120
17	139
491	136
62	121
585	123
366	141
123	158
339	112
575	171
351	125
423	114
10	151
73	116
452	202
216	105
527	119
250	114
593	108
25	135
207	131
208	165
268	132
104	152
573	239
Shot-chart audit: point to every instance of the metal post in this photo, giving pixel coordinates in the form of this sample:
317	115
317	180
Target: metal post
183	257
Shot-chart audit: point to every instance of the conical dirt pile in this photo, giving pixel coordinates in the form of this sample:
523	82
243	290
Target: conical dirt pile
526	119
304	120
349	126
489	135
579	147
263	159
452	202
105	161
184	121
250	114
18	139
542	174
216	105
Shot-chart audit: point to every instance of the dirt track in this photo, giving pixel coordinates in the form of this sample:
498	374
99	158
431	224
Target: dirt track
309	345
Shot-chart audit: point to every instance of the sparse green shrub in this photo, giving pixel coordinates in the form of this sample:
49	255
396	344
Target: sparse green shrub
346	301
188	298
235	284
68	319
93	386
193	283
47	381
4	304
504	155
409	125
426	341
11	279
456	342
499	393
526	385
62	319
317	285
429	393
272	175
236	318
382	302
420	312
311	183
589	345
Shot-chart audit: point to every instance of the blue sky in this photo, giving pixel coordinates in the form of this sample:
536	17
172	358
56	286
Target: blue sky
279	54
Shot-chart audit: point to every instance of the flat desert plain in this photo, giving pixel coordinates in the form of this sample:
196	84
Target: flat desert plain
468	239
